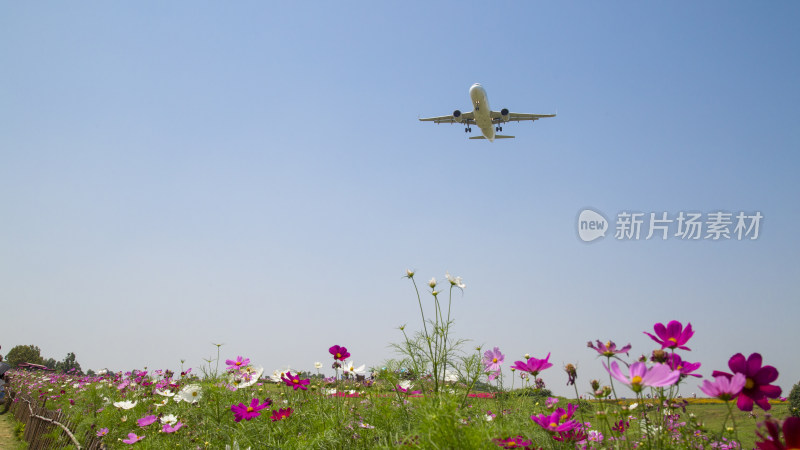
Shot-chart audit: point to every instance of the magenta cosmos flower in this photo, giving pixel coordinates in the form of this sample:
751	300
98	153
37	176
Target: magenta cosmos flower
675	362
167	428
295	382
640	376
250	411
791	435
281	414
132	439
559	421
673	335
515	442
757	388
339	353
724	388
146	420
533	365
238	363
608	349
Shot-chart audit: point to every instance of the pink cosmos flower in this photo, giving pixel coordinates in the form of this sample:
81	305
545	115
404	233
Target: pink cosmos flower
673	335
533	365
757	388
102	432
281	414
172	428
339	353
608	349
492	359
558	421
686	368
515	442
132	439
724	388
238	363
550	403
251	411
640	376
146	420
295	382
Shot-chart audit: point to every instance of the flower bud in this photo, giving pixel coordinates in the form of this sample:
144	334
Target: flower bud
432	283
595	385
409	273
659	356
527	356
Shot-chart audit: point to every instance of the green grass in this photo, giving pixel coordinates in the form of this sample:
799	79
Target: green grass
713	415
9	431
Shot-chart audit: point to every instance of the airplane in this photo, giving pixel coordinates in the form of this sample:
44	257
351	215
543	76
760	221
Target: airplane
487	120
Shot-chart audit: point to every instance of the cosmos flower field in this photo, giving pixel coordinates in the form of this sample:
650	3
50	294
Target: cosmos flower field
435	394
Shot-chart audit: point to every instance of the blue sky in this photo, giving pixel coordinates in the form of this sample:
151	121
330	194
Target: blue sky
185	173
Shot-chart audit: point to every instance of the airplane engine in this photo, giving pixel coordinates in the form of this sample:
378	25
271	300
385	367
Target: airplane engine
504	113
457	115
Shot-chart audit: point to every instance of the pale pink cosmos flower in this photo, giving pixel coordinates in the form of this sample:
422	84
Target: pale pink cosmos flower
724	388
640	376
492	359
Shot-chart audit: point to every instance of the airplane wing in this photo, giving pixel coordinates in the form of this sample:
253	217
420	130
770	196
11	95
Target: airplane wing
467	118
497	117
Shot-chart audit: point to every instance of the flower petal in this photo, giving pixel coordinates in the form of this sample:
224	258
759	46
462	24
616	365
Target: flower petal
737	363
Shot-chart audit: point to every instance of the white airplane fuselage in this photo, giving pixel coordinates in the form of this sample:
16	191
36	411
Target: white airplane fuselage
482	111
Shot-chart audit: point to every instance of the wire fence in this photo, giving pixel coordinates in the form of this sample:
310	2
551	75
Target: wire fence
46	429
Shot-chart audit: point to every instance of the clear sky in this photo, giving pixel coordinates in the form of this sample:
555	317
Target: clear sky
174	174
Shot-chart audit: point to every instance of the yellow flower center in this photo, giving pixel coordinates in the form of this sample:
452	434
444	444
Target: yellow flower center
494	360
749	383
636	380
553	425
194	393
511	444
295	381
608	344
238	363
563	418
249	409
338	355
673	340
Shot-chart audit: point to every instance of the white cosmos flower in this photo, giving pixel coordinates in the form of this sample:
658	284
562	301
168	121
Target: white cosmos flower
164	393
278	374
169	418
455	281
125	404
318	365
246	377
405	384
330	391
164	402
190	394
351	368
